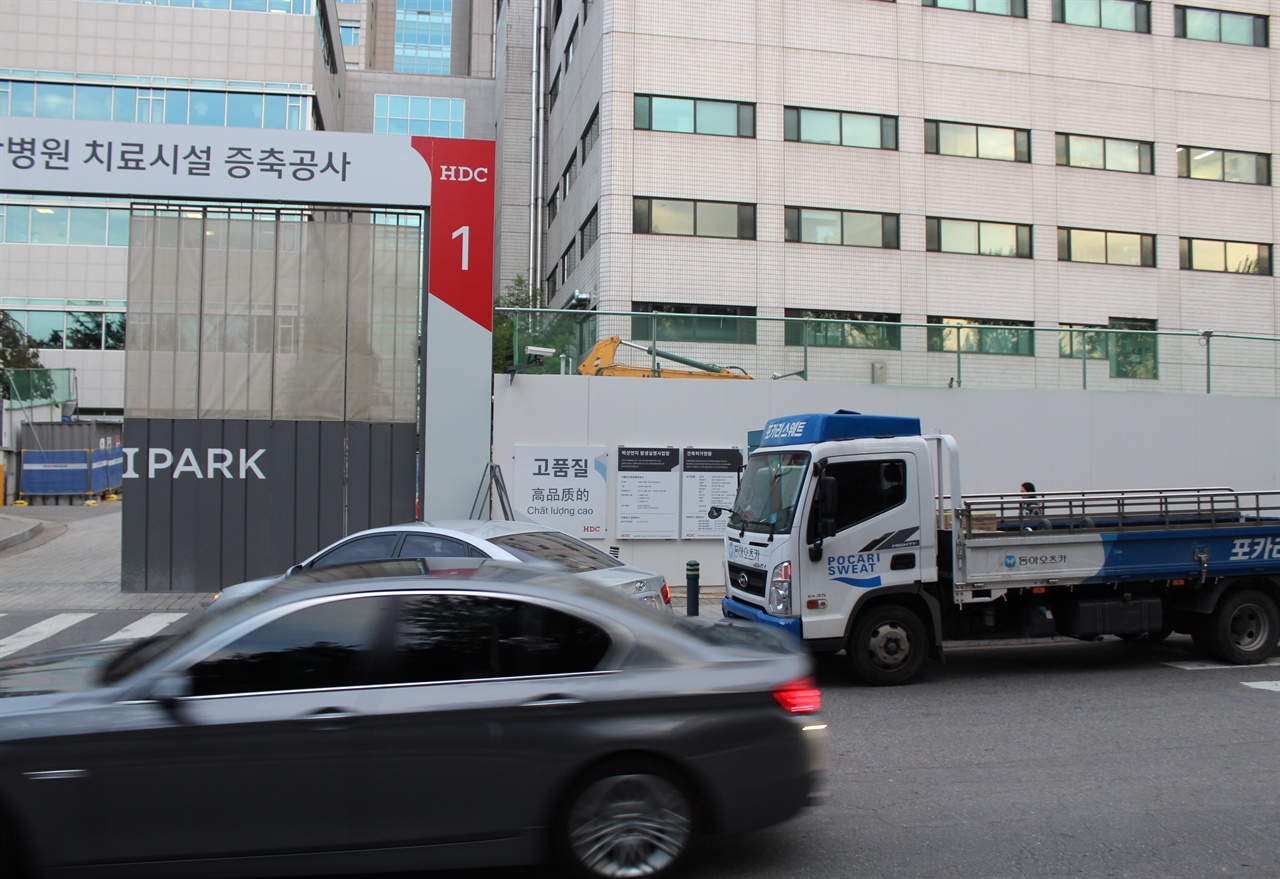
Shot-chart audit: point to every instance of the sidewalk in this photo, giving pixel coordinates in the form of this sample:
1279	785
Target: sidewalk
67	558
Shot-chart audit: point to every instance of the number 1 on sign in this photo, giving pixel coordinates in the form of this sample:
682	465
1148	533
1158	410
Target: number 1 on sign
465	233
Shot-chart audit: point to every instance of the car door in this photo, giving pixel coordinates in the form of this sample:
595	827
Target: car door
485	702
257	760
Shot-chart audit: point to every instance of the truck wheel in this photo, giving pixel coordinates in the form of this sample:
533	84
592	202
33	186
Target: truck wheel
1243	630
888	646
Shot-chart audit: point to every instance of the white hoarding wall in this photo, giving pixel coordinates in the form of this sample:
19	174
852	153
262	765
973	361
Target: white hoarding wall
1060	440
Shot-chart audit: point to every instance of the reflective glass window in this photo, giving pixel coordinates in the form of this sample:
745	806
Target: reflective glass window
84	330
681	322
1220	26
113	324
1121	15
672	217
659	216
49	225
360	549
244	110
717	220
93	102
979	237
977	141
843	329
427	546
981	336
88	226
46	328
835	127
55	101
208	108
1206	255
1231	166
1110	248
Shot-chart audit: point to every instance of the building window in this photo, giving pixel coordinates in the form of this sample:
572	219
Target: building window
45	222
568	262
1206	255
411	114
1216	26
571	46
678	322
707	219
1116	15
552	285
591	134
553	92
424	33
850	228
350	31
1131	354
978	336
75	330
694	116
1105	153
293	7
1232	166
1110	248
1014	8
975	236
570	173
553	205
588	232
840	128
977	141
843	329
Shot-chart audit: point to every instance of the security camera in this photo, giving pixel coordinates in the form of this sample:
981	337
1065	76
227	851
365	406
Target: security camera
535	351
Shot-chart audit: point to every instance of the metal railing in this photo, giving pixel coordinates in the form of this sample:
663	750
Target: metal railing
915	354
28	388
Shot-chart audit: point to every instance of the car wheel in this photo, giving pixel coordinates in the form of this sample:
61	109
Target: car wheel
1243	630
888	646
627	818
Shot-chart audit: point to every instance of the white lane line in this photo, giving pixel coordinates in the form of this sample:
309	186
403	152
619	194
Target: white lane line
41	630
1204	664
148	625
1273	686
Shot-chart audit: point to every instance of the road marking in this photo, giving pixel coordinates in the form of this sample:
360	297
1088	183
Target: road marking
1201	665
1273	686
148	625
41	630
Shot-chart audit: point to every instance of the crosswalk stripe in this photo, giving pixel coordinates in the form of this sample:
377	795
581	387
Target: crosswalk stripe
1274	686
148	625
41	630
1201	665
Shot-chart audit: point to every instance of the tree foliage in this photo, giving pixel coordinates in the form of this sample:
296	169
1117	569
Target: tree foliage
18	352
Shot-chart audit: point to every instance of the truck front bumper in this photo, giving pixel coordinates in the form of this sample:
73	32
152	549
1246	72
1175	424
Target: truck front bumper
732	607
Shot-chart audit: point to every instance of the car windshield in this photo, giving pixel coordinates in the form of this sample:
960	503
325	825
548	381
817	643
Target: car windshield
769	492
557	548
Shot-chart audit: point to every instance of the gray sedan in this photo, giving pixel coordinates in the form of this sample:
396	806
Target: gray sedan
387	717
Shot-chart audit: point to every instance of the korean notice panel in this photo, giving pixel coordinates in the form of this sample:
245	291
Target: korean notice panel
710	480
562	486
648	493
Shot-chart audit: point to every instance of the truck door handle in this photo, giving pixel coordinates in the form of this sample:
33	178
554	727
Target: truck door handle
903	561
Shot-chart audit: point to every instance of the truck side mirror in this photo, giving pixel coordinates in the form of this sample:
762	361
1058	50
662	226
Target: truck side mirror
714	512
828	498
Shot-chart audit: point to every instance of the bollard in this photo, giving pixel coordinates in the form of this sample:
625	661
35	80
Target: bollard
691	584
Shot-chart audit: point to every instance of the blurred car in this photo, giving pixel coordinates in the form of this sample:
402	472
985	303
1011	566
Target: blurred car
430	714
476	538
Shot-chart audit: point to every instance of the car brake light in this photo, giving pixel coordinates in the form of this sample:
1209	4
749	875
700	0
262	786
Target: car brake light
800	697
666	593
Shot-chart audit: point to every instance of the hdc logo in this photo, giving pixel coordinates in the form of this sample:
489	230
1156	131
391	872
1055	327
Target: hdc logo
463	174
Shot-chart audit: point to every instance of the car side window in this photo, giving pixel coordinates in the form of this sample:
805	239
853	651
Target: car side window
319	646
431	546
465	637
361	549
867	488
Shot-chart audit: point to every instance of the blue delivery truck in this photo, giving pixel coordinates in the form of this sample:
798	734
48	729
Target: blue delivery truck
851	532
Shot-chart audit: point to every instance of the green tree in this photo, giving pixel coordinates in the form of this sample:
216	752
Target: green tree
517	294
18	352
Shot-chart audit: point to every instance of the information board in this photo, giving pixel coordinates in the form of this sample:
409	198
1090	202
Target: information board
648	501
710	480
562	486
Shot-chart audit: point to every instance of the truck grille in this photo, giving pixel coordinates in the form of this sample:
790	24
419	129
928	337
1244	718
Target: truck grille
753	584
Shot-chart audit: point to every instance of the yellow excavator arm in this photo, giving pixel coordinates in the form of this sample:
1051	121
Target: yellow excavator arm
602	360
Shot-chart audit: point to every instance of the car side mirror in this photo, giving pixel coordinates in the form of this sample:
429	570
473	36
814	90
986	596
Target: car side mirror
170	689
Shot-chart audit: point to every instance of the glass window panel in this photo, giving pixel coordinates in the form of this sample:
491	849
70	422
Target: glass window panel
996	143
399	106
55	101
113	331
1202	24
993	7
717	117
1083	12
860	131
820	227
1242	257
1208	256
671	114
84	330
22	99
1118	15
88	226
819	126
175	107
1240	167
45	328
1122	155
1124	249
999	239
955	4
1206	164
1088	246
864	230
208	108
1088	152
17	225
124	104
93	102
958	236
48	225
1237	29
957	140
244	111
717	220
671	217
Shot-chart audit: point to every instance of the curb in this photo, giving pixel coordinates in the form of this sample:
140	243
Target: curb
15	531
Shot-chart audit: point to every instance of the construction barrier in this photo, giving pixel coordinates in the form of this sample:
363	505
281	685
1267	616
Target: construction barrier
70	471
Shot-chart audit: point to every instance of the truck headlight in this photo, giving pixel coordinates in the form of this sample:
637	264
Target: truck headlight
778	598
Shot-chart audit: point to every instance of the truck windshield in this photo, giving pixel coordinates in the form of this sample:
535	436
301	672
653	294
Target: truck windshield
769	492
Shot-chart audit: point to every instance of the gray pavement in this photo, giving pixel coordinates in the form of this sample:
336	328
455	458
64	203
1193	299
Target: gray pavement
67	558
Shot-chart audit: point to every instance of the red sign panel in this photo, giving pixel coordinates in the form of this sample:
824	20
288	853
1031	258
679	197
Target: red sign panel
460	271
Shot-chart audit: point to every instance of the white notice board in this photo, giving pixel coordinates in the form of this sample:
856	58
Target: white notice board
562	486
710	480
648	499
